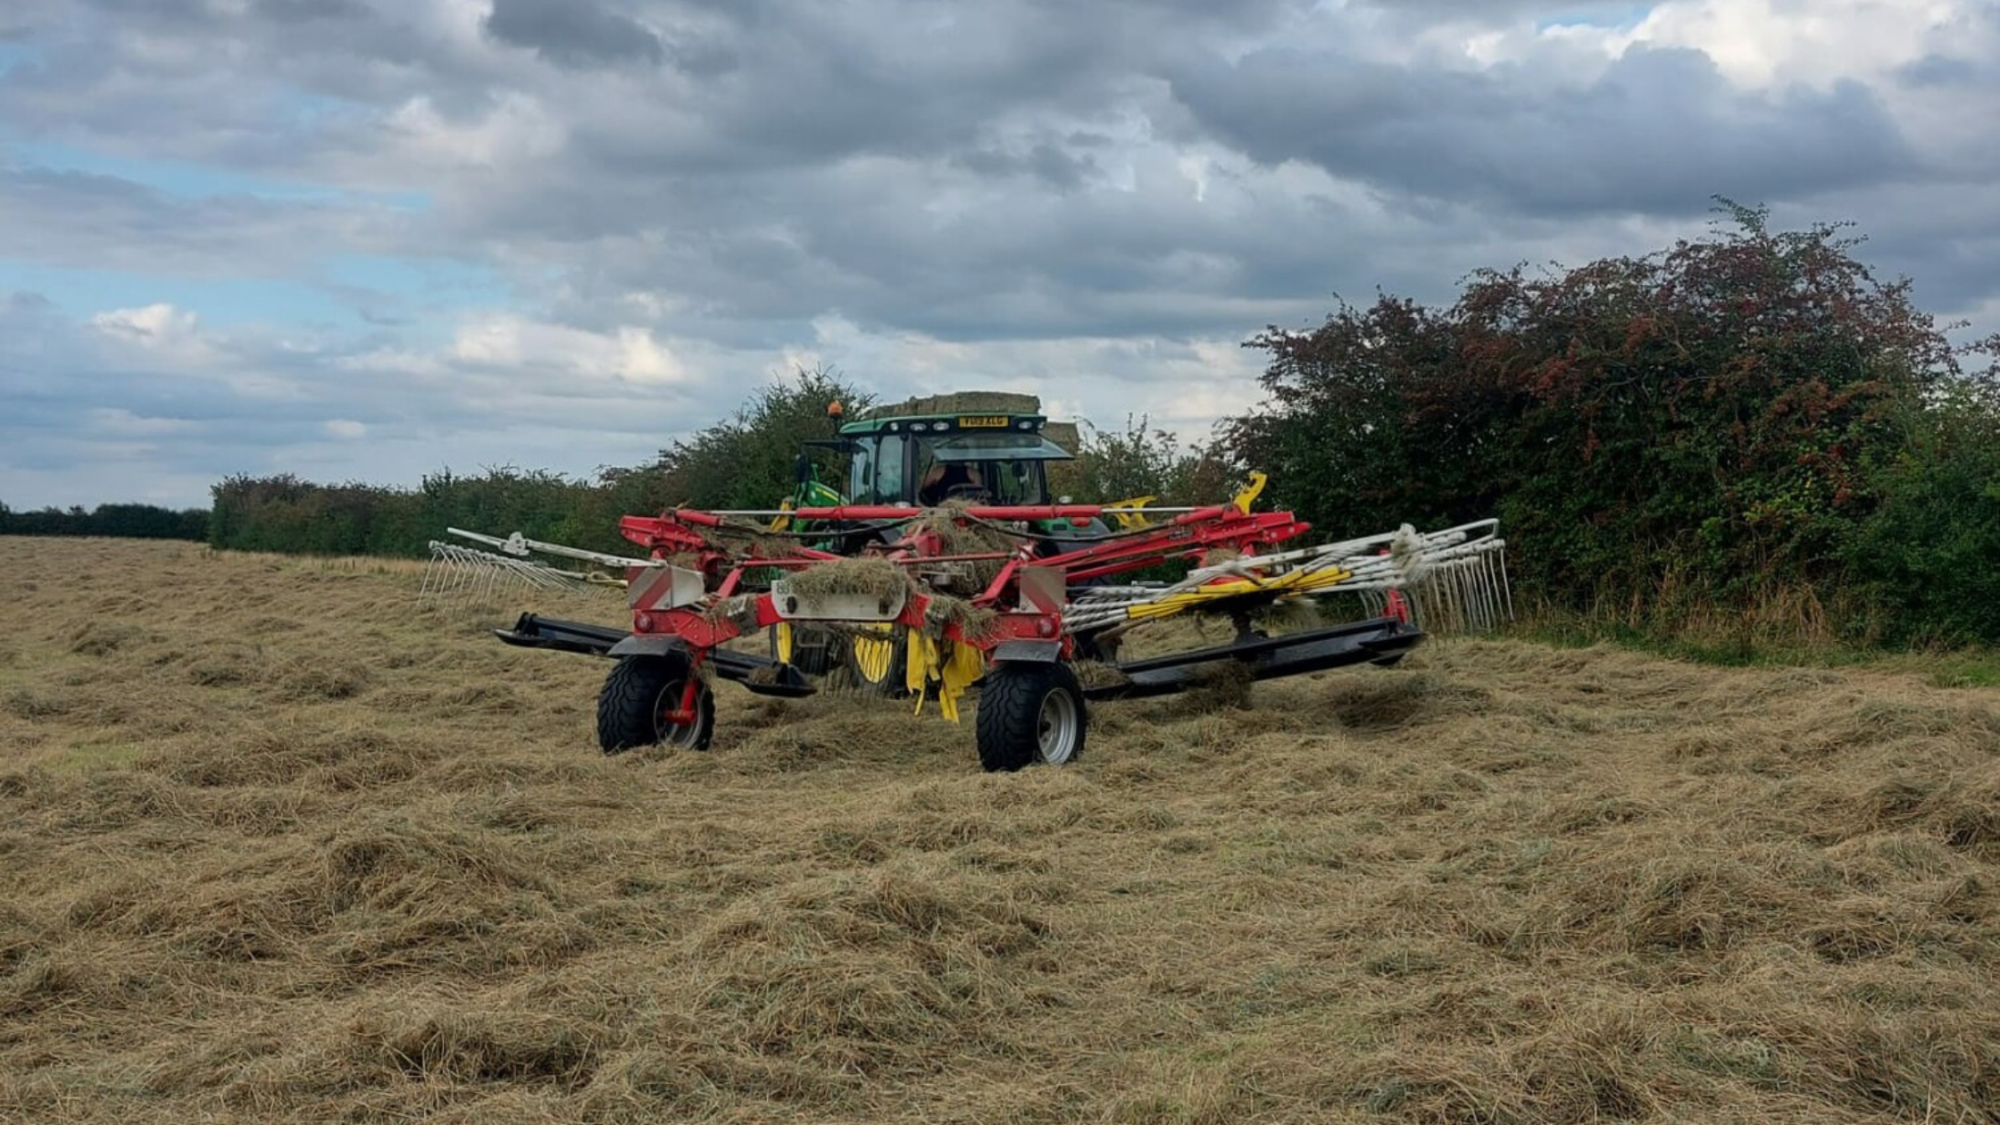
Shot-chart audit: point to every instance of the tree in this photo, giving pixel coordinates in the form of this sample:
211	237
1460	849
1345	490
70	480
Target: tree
1141	461
1709	418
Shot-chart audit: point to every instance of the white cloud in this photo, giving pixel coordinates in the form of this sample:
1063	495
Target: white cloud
346	429
517	130
161	323
1765	42
537	348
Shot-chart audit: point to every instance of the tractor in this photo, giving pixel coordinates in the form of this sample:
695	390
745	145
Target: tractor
946	568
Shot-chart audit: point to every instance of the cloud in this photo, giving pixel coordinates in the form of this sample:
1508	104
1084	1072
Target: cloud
563	234
1656	132
154	324
629	354
572	32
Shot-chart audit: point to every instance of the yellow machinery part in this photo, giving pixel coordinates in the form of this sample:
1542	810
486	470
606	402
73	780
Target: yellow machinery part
965	665
1297	582
874	656
784	642
1128	513
1250	492
922	666
952	667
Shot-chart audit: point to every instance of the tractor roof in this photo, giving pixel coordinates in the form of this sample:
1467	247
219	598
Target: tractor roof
973	425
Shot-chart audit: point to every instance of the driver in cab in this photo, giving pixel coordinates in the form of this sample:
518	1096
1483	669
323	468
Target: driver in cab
950	480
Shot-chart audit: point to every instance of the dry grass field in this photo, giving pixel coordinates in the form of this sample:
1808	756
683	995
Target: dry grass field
276	844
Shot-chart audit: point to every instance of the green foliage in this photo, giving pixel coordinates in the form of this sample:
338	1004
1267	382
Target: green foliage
284	514
1927	559
1137	462
1742	421
124	521
745	461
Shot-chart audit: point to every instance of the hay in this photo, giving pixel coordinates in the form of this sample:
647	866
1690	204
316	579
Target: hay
1095	674
874	578
1219	685
1500	882
1289	615
972	620
962	402
959	534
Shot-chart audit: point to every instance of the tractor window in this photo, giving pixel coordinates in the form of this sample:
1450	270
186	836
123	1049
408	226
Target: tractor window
861	473
1015	482
938	478
875	475
997	482
888	483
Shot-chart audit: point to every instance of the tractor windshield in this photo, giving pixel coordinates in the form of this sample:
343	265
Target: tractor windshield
990	468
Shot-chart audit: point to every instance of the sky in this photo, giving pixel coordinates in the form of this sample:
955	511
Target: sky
370	239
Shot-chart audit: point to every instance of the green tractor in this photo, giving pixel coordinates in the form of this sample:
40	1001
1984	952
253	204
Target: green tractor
973	447
976	447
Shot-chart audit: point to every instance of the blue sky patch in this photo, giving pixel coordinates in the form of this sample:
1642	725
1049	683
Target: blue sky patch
1622	17
188	180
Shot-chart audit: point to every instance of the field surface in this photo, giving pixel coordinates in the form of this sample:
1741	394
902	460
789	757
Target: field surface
278	844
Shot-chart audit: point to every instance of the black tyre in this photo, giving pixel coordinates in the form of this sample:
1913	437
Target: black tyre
638	698
1030	713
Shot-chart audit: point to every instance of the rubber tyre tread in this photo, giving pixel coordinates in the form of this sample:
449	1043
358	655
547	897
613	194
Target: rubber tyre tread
625	706
1007	727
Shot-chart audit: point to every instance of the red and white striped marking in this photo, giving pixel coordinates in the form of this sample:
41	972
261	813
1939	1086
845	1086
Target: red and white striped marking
653	587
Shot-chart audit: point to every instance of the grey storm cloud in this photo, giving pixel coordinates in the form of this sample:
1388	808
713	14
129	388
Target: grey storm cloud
312	11
86	220
1658	132
1093	199
572	32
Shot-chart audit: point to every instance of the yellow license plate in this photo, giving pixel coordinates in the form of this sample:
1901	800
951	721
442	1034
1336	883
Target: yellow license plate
982	421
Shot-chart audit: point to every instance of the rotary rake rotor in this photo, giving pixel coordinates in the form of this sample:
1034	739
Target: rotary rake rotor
932	603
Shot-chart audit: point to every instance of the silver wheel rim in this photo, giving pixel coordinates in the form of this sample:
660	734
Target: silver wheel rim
1056	727
666	732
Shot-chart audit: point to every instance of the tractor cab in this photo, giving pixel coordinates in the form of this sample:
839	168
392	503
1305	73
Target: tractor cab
972	447
978	447
928	460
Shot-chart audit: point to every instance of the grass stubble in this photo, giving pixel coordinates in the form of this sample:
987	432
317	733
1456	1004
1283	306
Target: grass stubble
279	844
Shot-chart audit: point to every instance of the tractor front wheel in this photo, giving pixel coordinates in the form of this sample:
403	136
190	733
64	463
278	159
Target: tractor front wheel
1030	713
639	703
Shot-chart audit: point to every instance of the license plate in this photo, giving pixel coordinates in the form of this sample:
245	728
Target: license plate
982	421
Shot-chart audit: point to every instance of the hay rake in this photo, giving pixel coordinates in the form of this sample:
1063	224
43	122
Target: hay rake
936	601
458	573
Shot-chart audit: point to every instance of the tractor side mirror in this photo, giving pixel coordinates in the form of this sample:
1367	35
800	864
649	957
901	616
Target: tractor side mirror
802	468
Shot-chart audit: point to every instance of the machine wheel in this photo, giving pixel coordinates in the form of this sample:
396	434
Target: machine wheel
1030	713
639	695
